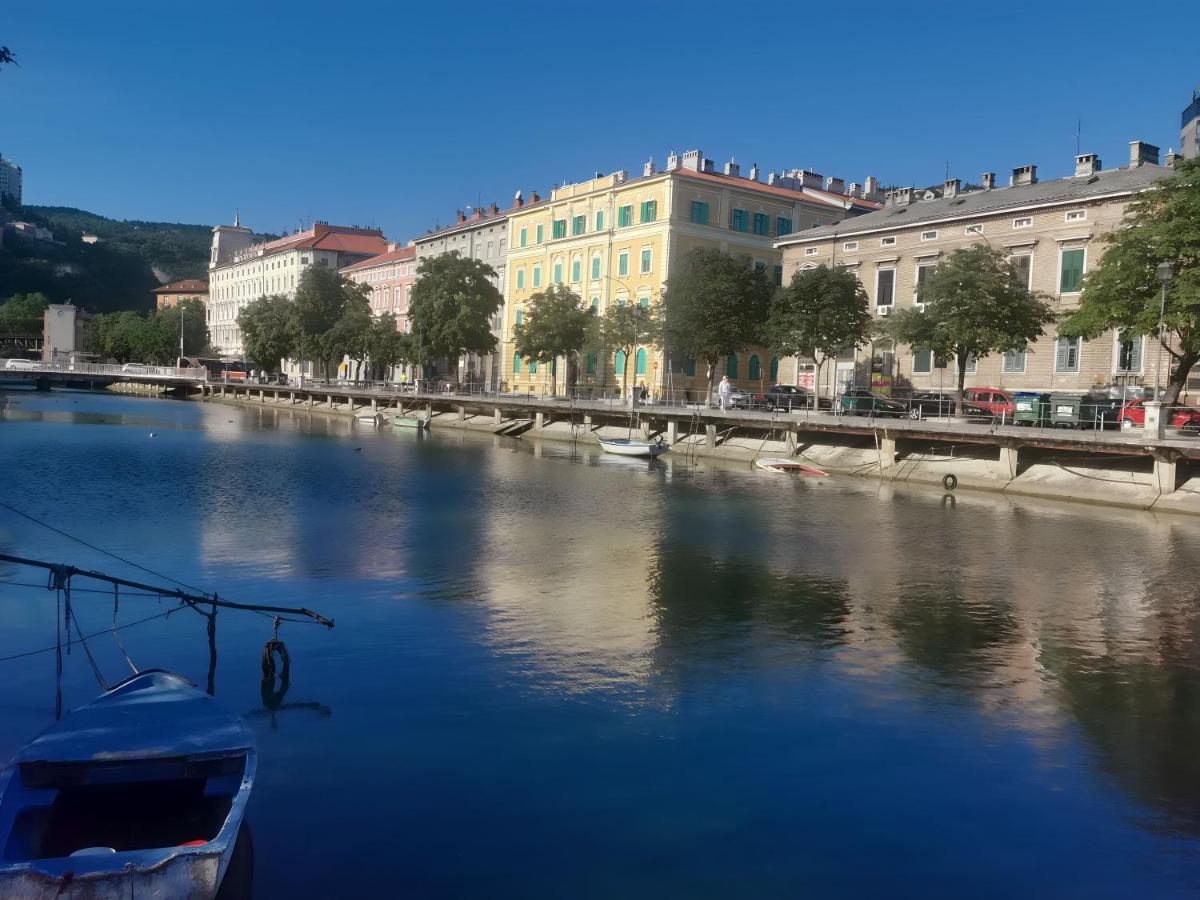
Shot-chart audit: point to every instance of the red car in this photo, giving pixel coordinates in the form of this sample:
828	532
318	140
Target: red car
999	402
1134	413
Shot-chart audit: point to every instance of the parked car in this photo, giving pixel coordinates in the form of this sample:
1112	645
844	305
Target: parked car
861	402
786	397
928	404
738	399
23	365
1133	413
999	403
135	368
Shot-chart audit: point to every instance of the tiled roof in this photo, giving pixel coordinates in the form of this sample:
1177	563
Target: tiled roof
972	204
358	241
397	255
820	196
186	286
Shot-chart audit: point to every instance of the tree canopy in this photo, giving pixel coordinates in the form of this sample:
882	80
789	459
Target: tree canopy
1123	292
331	315
624	328
22	314
150	337
555	324
820	313
714	306
974	305
452	305
269	330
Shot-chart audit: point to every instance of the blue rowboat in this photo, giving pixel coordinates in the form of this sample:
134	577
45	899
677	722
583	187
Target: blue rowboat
140	793
627	447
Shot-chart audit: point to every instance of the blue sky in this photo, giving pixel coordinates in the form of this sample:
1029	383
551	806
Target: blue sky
397	114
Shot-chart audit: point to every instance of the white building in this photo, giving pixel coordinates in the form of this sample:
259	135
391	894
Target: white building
244	267
10	180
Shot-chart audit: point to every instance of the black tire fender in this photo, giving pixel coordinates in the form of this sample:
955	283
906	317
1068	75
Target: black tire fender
949	481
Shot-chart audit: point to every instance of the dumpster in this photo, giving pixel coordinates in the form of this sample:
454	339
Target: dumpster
1030	408
1065	410
1099	410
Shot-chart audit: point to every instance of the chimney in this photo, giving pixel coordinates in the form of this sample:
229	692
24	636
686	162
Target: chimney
694	160
772	178
1172	158
871	187
900	196
672	161
620	176
754	172
476	213
648	169
1023	175
1087	164
460	216
810	179
708	165
534	198
493	209
855	189
835	185
989	180
518	200
1142	154
951	187
732	168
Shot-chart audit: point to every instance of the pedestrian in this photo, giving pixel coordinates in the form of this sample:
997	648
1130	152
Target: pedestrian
643	394
724	392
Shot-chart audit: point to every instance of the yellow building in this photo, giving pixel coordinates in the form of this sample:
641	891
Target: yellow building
613	239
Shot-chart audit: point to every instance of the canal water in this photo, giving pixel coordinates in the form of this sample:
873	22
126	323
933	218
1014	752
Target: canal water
558	674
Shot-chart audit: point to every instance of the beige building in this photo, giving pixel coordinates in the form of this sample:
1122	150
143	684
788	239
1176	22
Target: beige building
1051	231
171	295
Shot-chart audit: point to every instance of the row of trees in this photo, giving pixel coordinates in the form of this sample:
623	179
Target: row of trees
151	337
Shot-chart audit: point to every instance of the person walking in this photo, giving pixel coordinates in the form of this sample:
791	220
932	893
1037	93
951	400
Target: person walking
643	394
724	392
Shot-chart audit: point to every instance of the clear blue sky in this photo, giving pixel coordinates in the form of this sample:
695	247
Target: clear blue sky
398	113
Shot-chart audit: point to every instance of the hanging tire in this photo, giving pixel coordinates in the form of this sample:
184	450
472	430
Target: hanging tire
949	481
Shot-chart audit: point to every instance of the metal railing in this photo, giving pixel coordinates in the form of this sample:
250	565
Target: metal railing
130	371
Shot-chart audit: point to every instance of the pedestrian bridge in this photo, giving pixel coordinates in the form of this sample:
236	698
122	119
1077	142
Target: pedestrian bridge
44	375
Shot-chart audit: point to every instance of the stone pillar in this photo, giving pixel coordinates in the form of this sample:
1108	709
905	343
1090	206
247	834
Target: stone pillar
710	435
1165	475
497	418
330	399
672	432
462	413
374	405
291	398
429	411
539	421
1008	462
887	453
1153	429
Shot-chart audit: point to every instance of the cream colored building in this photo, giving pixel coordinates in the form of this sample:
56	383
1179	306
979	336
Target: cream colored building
615	239
1051	232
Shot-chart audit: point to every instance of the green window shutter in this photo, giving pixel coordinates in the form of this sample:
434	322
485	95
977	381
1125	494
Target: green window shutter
600	220
591	364
1072	271
595	267
516	363
762	223
731	367
755	368
520	279
922	359
532	367
644	302
1066	355
624	216
689	367
524	235
649	210
558	273
596	306
575	267
639	364
579	225
699	212
645	261
623	264
778	276
774	369
783	225
539	234
537	276
619	361
559	229
520	317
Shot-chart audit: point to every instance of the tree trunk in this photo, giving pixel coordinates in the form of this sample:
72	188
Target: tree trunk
820	364
554	376
962	358
712	370
1179	381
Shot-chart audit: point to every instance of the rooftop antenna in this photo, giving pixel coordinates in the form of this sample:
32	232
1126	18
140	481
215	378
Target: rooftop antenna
947	170
1078	134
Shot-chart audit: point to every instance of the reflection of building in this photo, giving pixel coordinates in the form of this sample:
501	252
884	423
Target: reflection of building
616	239
171	295
243	268
10	180
1051	232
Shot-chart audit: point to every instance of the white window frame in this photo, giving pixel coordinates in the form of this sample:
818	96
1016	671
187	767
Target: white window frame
1029	256
645	267
878	272
1058	280
973	230
1116	357
1023	222
929	235
811	251
850	246
917	280
1075	215
1078	356
1024	362
887	242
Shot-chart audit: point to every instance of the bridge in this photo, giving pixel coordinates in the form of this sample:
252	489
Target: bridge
43	376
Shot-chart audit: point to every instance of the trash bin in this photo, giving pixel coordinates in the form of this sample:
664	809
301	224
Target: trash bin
1030	408
1065	410
1100	411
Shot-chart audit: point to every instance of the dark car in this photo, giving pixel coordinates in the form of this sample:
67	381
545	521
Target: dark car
861	402
787	397
932	404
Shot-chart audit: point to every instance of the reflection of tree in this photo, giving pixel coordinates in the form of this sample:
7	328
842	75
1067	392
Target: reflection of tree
946	633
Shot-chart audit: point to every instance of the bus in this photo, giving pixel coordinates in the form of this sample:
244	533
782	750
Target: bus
218	369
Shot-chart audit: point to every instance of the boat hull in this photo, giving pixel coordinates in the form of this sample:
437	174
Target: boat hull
410	422
785	466
622	447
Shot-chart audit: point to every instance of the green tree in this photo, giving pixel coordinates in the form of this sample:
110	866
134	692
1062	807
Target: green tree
714	306
388	346
974	305
269	330
555	325
23	313
1123	292
822	312
322	298
195	328
624	328
452	305
350	336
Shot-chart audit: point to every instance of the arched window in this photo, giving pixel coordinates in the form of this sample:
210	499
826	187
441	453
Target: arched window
576	269
595	306
755	368
532	367
516	363
591	364
731	366
774	369
689	367
639	362
619	362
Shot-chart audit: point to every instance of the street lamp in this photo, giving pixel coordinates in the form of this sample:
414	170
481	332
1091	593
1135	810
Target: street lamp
1165	272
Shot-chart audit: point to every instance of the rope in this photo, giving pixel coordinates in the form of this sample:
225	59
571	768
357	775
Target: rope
91	659
117	637
58	634
57	655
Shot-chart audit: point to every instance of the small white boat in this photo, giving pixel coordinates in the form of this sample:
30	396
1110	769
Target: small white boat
628	447
419	423
372	419
778	464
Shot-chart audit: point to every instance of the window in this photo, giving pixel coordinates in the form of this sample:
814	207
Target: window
689	367
539	234
623	262
774	369
531	367
731	367
576	270
1022	267
885	287
929	235
520	279
595	306
1022	223
537	276
887	242
922	360
591	364
624	216
578	225
1129	352
739	220
850	246
557	273
558	229
699	212
599	220
649	211
639	362
778	276
762	223
783	225
1076	215
1071	270
1014	361
595	267
972	363
619	362
973	230
924	270
520	316
1066	355
811	251
755	368
646	262
516	363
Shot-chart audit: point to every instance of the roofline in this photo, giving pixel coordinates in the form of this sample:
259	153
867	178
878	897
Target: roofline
799	238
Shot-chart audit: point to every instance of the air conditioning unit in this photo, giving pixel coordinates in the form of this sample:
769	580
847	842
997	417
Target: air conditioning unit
885	310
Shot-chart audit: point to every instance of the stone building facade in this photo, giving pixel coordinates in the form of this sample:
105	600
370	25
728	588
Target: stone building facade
171	295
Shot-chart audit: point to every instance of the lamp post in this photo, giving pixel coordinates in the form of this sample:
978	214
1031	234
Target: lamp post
180	306
1165	272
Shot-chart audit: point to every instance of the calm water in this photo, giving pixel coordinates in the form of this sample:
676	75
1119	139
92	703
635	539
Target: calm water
559	675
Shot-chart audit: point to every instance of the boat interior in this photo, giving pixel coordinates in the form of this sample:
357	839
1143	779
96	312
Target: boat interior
102	807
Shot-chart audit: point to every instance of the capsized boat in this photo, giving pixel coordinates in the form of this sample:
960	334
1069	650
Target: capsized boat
419	423
140	793
372	419
779	464
628	447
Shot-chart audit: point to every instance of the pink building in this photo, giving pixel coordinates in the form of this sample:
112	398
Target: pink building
390	277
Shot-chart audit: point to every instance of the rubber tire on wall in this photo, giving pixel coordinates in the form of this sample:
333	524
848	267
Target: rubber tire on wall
949	481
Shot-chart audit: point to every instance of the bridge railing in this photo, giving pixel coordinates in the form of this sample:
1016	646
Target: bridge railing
130	371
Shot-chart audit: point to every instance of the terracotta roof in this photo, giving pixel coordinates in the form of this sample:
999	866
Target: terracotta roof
397	255
186	286
817	194
368	241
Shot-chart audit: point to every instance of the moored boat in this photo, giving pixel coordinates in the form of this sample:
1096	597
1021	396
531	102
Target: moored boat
776	464
410	422
628	447
372	419
140	793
